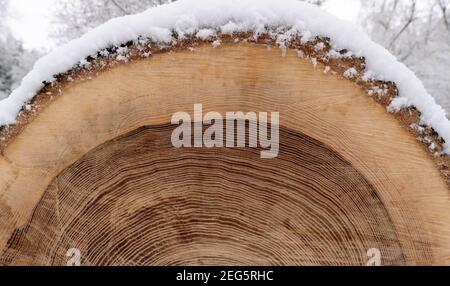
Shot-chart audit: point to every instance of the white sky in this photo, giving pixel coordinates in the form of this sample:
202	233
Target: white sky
30	19
344	9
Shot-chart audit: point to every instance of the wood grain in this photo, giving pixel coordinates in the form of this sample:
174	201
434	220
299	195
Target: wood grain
398	176
136	200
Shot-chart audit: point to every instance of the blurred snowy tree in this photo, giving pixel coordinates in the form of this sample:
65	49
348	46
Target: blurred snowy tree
15	62
315	2
6	59
76	17
418	33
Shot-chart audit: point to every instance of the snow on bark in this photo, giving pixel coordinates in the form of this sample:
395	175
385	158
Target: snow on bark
204	19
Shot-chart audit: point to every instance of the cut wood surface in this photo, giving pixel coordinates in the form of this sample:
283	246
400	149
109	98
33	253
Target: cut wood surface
95	170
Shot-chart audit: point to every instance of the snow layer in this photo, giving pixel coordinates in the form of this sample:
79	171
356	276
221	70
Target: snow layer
203	17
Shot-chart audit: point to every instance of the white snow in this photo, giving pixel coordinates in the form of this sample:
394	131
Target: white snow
203	18
319	46
216	43
351	73
205	34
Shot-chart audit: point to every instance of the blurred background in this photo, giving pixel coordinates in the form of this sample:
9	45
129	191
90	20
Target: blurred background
417	32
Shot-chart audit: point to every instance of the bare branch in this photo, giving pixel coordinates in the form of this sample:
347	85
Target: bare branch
444	6
124	11
410	20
